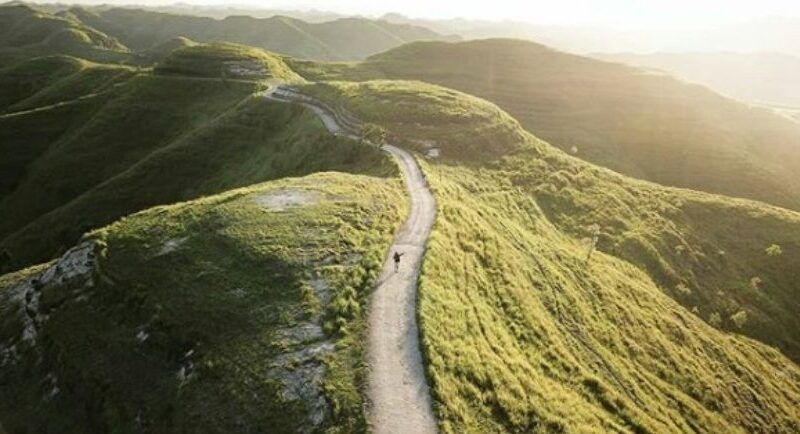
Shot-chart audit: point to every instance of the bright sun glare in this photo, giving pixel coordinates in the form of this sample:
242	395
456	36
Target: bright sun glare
626	13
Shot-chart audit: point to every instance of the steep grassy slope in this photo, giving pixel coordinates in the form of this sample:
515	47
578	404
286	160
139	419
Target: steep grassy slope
345	39
241	312
43	81
639	123
525	331
104	145
257	140
21	80
27	32
45	99
522	334
88	161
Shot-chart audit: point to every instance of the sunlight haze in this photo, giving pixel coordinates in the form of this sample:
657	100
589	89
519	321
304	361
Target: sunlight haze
631	13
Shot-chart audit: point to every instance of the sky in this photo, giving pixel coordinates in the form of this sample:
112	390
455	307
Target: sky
629	13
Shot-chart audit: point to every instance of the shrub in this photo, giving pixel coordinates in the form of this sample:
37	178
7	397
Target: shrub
375	134
715	319
683	290
739	318
774	250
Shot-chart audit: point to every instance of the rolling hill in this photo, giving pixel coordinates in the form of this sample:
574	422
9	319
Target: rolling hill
341	39
44	81
634	121
234	312
27	32
763	78
525	331
86	169
206	254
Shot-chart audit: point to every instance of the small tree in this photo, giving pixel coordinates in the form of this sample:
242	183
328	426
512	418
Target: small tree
374	134
755	282
739	318
774	250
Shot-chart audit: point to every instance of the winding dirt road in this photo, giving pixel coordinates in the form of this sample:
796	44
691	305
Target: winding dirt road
400	400
398	391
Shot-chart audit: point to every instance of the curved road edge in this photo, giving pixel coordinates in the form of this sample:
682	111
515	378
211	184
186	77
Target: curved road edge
399	396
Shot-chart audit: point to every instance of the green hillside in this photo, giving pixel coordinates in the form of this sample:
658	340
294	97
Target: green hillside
205	253
159	52
523	333
48	80
422	115
643	124
225	60
27	32
233	313
344	39
21	80
76	165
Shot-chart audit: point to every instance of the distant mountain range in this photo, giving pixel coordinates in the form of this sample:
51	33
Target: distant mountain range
767	78
771	34
27	31
776	34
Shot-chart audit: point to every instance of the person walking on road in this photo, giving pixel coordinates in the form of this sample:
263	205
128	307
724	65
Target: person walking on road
397	256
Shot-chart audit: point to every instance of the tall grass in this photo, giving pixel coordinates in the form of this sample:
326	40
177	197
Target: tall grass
238	276
521	334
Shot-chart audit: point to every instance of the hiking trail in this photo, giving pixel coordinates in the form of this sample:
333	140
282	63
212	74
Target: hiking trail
398	392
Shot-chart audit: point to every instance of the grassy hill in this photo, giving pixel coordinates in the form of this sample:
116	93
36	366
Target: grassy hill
420	114
225	60
237	312
643	124
203	136
555	296
27	32
159	52
523	333
48	80
343	39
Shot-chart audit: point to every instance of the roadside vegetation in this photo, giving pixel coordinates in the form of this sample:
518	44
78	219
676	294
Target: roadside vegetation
237	312
522	334
557	296
712	254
